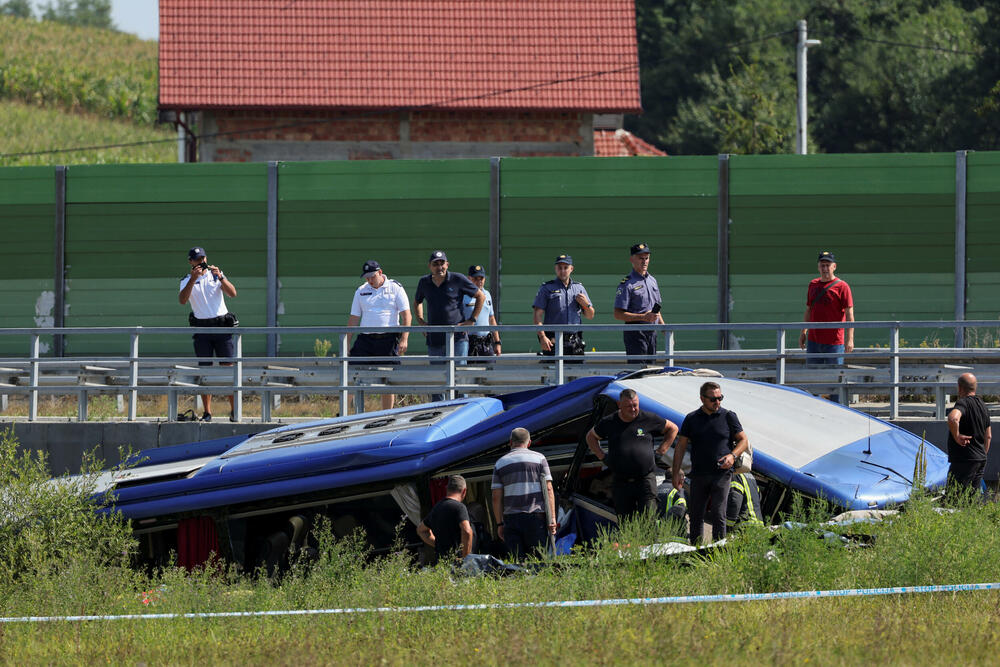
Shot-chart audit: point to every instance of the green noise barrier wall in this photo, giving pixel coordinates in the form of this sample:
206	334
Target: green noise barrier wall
734	239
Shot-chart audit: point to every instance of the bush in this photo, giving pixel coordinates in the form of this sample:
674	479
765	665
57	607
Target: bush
49	529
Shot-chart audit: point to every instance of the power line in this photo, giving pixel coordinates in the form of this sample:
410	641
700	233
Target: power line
428	105
906	45
467	98
318	121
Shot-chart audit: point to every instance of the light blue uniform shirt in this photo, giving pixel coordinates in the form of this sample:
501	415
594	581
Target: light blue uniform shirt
469	305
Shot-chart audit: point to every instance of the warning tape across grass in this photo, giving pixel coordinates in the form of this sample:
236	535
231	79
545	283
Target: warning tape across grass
614	602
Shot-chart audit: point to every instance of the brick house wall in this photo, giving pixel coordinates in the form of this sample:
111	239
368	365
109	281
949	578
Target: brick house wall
258	136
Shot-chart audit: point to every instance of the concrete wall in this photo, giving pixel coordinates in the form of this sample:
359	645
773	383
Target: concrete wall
65	442
309	136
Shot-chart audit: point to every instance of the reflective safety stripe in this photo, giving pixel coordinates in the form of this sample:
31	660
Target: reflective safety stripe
752	512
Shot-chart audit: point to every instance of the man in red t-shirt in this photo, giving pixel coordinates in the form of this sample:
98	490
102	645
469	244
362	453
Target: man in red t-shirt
828	299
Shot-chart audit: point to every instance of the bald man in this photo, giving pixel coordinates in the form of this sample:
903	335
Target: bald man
969	435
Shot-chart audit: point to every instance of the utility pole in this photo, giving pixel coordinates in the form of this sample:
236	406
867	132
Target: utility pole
800	66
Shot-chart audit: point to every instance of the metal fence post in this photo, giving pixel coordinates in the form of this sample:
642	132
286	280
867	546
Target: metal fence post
133	376
779	363
670	347
723	254
272	256
961	172
265	406
495	253
33	383
450	368
344	376
59	274
560	368
238	379
894	373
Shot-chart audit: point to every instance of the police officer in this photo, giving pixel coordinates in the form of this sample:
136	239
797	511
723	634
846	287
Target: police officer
482	342
379	302
638	301
205	288
562	300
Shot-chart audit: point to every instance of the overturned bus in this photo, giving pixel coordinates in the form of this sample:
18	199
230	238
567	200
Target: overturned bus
251	499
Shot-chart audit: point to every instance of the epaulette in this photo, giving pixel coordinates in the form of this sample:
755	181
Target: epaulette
624	280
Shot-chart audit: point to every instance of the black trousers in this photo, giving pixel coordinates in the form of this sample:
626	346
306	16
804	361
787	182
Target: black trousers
633	495
711	493
524	533
639	342
965	477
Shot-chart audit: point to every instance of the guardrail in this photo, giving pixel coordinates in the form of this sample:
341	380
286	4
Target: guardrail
877	370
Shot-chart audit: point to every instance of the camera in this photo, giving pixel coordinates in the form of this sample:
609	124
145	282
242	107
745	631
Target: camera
203	266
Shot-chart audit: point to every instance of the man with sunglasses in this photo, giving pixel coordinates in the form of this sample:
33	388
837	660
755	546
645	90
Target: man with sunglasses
716	438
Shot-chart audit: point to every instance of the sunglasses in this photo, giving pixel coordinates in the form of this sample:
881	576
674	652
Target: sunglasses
714	399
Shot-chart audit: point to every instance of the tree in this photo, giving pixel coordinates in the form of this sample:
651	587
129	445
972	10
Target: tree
92	13
719	76
19	8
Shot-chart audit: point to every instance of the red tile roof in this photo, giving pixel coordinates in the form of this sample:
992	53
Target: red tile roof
378	54
621	143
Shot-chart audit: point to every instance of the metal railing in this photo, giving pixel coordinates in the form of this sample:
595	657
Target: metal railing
873	370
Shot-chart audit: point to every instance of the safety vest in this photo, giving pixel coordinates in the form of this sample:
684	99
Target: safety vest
674	498
751	512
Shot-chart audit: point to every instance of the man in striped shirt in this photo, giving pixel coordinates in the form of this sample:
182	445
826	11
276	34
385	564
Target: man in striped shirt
518	503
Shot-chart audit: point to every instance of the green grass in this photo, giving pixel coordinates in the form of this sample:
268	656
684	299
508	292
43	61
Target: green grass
28	128
74	566
54	65
67	87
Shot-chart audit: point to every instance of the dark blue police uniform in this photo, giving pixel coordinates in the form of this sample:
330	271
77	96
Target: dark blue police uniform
638	294
560	306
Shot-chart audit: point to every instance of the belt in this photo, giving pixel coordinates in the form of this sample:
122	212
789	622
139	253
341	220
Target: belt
380	335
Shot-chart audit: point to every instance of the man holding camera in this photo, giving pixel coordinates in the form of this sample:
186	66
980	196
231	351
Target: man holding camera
562	301
205	288
637	301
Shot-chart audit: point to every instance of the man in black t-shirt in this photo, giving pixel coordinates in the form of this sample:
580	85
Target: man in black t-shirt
446	527
969	434
716	438
629	432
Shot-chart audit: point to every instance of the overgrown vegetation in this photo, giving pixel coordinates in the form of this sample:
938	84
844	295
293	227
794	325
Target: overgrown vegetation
894	76
75	566
28	128
50	536
104	72
68	86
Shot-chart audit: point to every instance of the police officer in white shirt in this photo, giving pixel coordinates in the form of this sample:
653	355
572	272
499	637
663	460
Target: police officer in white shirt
379	302
205	288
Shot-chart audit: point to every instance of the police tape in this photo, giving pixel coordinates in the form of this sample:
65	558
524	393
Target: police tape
501	606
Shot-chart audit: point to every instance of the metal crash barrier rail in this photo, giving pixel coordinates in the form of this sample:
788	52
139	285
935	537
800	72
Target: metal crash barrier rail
882	371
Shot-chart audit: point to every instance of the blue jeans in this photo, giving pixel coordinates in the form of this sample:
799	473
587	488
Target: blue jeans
812	347
461	350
